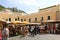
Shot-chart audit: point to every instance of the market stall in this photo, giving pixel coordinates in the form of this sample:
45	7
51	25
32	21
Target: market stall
15	27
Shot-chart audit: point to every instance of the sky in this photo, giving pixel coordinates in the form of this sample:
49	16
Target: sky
29	6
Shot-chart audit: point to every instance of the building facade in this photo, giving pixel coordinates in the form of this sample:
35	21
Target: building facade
49	14
9	16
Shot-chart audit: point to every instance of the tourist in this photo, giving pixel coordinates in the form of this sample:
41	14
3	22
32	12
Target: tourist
29	29
23	31
38	29
42	28
35	30
6	33
54	28
11	31
51	29
32	31
26	30
46	28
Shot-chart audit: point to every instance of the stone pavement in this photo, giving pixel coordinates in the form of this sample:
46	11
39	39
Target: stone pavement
38	37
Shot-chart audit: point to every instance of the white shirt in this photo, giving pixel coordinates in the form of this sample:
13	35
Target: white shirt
42	27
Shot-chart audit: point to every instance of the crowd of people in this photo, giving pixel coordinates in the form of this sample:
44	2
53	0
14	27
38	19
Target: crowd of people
31	30
24	30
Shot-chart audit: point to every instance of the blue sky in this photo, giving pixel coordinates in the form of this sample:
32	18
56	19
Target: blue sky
29	6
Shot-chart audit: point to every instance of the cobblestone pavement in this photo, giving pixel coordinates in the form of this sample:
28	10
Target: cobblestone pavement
38	37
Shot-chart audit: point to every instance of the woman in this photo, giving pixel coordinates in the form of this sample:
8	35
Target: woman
6	33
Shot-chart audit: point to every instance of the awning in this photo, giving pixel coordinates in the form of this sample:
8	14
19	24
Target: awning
8	22
49	21
33	24
25	22
16	22
2	21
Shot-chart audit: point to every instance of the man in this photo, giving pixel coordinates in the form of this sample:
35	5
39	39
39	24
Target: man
46	28
6	33
32	31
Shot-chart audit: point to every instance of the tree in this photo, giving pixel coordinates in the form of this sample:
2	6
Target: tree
2	7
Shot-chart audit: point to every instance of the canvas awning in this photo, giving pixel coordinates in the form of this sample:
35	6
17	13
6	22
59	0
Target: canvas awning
50	21
8	22
25	22
16	22
2	21
34	24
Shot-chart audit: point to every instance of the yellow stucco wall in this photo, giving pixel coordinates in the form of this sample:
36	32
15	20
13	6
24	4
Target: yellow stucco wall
45	12
5	16
50	11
